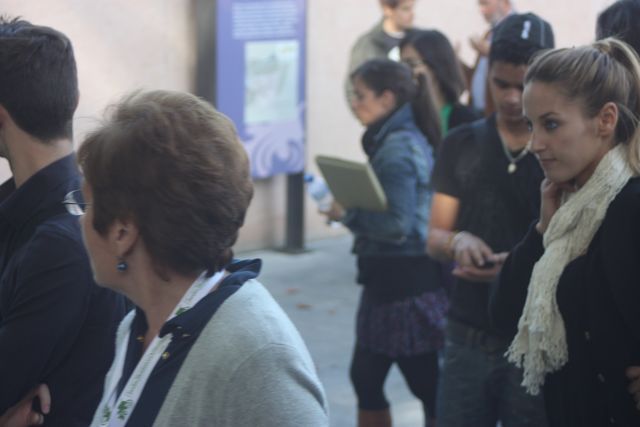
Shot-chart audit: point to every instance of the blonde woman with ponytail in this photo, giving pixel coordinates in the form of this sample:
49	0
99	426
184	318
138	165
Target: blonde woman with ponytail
571	288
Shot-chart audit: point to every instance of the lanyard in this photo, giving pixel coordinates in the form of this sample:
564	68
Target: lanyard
115	410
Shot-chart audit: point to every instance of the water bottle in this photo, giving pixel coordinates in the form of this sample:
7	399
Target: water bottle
319	191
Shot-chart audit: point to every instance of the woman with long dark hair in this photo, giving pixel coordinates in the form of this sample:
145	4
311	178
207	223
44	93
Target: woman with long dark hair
402	307
433	60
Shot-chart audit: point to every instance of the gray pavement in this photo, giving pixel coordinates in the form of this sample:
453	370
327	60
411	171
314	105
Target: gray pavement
317	290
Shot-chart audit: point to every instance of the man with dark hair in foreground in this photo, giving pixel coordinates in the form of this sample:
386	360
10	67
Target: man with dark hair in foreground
56	326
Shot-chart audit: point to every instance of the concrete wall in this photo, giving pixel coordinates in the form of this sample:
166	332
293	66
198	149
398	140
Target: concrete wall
123	45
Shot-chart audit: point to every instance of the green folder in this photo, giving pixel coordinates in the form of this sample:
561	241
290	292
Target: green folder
353	184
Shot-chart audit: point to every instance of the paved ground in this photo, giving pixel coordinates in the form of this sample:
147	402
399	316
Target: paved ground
318	292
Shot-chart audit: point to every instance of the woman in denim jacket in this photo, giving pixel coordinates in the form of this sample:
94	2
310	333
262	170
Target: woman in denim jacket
401	313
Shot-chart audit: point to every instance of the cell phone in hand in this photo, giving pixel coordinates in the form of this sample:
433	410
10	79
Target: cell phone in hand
487	265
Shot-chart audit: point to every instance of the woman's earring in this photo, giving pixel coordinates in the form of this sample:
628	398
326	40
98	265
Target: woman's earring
122	265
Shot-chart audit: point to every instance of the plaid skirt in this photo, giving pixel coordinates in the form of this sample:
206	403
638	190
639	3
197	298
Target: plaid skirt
407	327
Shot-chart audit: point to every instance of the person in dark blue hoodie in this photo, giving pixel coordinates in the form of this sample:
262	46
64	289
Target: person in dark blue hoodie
56	326
401	313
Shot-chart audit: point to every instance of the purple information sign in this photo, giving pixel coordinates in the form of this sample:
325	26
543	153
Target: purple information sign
260	59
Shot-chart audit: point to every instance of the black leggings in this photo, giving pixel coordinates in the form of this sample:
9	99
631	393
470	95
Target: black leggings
369	372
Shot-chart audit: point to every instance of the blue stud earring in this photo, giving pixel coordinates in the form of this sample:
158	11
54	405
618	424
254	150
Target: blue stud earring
122	265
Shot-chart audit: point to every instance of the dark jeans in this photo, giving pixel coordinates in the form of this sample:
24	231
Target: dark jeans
479	387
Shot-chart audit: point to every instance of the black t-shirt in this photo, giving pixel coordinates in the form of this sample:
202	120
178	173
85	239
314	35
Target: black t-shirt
495	205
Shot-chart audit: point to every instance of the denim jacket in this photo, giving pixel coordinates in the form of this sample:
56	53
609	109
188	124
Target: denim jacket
402	160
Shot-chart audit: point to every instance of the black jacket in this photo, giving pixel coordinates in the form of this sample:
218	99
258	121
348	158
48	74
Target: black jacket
56	326
599	298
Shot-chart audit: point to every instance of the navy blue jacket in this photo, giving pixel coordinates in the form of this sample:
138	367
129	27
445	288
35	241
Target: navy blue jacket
56	326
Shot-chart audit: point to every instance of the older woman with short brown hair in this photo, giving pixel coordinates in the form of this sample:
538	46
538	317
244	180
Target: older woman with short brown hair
166	189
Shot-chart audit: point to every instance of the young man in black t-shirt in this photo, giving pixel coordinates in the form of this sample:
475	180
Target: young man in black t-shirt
487	194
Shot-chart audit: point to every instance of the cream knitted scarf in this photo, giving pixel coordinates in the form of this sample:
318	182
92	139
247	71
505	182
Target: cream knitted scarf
540	345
